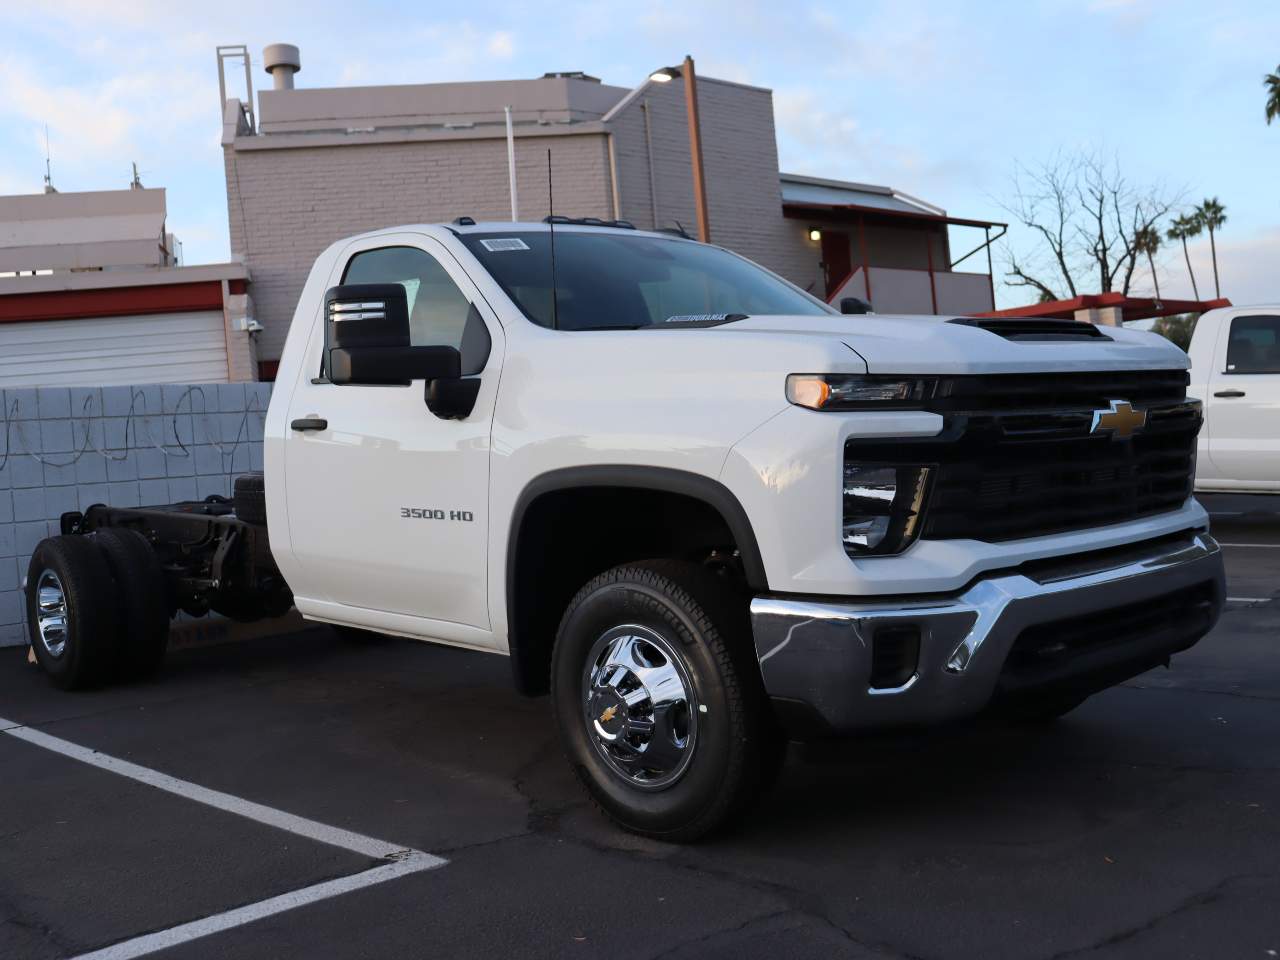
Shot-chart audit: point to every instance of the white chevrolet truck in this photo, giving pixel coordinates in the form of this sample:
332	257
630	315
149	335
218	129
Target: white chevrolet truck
1235	370
703	510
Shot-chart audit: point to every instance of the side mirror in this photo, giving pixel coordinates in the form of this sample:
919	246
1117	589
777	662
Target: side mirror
367	338
854	305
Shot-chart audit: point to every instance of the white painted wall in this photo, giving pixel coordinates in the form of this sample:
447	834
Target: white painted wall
110	351
907	291
963	293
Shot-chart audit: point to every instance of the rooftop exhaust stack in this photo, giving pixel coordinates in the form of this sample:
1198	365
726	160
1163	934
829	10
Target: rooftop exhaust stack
282	61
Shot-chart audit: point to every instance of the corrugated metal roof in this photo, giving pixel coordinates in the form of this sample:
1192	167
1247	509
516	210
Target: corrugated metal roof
810	190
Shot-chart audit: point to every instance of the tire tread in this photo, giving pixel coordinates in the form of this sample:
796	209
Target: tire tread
91	606
711	604
143	614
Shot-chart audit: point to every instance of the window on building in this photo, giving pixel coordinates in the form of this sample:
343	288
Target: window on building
1254	345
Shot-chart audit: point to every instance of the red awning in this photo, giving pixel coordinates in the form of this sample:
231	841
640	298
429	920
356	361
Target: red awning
1132	308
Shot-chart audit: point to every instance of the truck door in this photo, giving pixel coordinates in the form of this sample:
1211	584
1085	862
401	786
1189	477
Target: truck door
388	504
1244	403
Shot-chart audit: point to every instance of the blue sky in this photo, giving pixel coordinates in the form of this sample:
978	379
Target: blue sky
940	100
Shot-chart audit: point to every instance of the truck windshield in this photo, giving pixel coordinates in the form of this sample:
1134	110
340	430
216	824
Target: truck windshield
614	281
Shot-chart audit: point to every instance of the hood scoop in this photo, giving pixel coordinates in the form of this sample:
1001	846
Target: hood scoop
1033	329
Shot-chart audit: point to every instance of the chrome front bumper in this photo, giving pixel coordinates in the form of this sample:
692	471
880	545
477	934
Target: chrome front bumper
816	656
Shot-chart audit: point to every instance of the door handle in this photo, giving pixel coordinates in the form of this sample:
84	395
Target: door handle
309	423
1229	393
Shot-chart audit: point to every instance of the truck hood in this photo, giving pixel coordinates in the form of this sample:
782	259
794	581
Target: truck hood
915	344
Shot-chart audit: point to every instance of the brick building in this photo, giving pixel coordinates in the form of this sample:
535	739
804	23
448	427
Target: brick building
309	166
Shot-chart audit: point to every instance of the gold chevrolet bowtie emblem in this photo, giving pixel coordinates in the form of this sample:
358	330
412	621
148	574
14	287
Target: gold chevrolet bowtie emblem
609	713
1121	419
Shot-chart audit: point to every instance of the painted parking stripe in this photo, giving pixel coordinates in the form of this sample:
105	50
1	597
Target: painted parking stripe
313	830
1248	599
1260	546
151	942
399	860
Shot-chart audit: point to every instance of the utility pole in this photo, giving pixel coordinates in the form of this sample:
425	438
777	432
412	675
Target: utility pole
695	149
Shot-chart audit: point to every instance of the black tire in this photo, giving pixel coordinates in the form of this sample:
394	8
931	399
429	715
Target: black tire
734	750
142	608
75	574
250	499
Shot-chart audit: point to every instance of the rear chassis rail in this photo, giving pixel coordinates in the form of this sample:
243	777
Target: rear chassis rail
211	559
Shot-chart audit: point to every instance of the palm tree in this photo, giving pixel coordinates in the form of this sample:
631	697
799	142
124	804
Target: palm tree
1147	240
1183	228
1272	82
1212	215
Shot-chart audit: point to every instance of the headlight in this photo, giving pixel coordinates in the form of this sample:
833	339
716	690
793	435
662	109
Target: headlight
847	391
882	507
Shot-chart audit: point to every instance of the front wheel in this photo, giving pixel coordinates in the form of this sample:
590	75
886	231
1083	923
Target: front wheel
659	702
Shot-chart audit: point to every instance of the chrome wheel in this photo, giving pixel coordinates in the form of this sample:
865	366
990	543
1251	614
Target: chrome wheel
51	614
639	707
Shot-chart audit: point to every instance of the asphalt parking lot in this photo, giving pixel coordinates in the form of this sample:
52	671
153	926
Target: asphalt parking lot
1143	824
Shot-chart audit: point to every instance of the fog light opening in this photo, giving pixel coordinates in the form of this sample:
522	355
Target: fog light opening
895	656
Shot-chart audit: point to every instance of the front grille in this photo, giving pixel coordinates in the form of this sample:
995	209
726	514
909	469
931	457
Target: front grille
1136	635
1041	392
1017	459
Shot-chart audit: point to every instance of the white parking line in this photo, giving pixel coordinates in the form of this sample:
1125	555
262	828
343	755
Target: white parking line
151	942
1248	599
1260	546
402	860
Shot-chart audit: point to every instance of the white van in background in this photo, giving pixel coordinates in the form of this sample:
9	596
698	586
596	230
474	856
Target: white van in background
1235	369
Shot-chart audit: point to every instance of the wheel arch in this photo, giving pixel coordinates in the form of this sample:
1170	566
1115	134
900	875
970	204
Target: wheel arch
528	643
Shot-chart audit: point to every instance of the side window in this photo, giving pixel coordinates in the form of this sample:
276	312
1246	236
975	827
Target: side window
437	309
1254	345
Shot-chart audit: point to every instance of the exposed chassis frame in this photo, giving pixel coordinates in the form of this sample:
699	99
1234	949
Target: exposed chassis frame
211	559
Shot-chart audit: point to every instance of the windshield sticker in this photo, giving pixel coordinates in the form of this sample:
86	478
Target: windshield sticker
502	244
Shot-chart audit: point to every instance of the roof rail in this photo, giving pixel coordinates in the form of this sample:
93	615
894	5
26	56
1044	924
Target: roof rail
590	222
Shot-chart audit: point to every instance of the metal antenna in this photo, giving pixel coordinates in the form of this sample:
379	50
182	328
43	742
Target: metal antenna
551	226
48	165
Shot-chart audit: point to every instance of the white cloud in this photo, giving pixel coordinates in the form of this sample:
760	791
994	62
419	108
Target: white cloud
501	45
1246	267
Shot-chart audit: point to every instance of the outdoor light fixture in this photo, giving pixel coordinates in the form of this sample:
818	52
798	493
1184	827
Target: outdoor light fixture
815	234
665	75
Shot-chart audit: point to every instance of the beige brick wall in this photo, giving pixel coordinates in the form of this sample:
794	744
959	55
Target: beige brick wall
740	160
286	205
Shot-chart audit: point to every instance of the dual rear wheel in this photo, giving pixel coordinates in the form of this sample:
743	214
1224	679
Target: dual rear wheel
96	608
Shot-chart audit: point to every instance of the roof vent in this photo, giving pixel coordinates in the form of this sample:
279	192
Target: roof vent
282	61
570	75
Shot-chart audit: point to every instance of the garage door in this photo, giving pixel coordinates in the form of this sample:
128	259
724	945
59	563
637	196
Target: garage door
110	351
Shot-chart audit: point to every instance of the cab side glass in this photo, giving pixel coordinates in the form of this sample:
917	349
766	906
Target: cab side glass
1254	345
439	313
